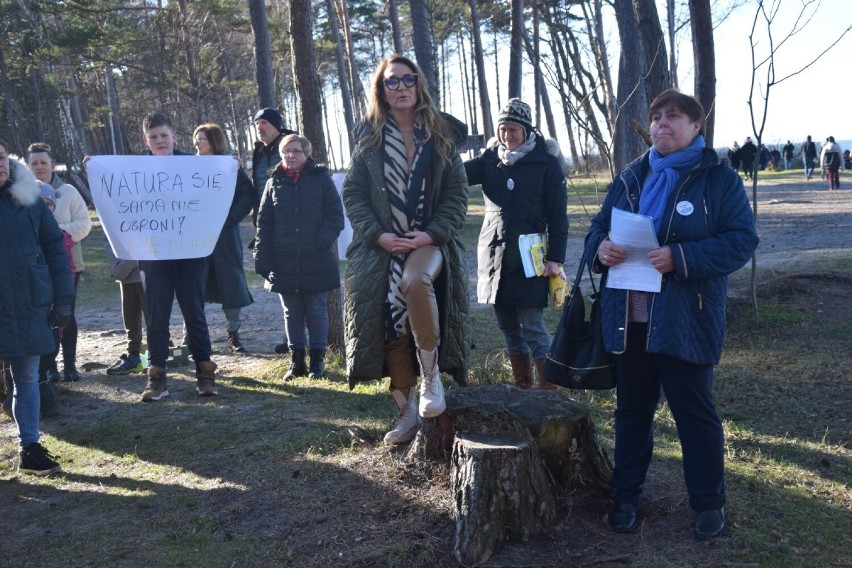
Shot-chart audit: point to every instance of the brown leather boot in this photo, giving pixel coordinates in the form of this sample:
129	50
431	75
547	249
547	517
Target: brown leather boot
522	370
156	387
205	375
542	382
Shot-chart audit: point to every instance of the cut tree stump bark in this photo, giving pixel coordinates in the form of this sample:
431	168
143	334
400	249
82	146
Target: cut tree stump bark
513	453
501	489
561	428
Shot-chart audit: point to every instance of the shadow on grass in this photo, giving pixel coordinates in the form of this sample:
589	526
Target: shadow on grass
250	477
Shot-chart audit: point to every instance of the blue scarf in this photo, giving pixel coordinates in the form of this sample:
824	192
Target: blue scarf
665	173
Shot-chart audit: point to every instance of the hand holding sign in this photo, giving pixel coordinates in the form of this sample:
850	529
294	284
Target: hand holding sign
162	207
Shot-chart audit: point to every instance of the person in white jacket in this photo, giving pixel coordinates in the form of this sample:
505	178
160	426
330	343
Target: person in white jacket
831	158
72	216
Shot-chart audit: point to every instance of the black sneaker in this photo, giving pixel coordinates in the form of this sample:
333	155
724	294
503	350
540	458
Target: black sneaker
126	365
35	460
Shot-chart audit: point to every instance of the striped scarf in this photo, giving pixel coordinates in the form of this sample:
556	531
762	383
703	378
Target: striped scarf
406	191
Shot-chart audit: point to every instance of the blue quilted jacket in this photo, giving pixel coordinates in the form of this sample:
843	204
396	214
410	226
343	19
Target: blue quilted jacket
712	236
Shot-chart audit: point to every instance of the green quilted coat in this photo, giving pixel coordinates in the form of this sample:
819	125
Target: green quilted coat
368	265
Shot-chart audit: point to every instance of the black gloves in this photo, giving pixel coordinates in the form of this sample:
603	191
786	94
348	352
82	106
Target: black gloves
60	315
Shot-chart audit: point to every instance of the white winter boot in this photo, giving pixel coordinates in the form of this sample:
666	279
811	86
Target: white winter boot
408	423
432	401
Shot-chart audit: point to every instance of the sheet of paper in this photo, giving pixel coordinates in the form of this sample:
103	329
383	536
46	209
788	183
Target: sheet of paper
635	234
533	265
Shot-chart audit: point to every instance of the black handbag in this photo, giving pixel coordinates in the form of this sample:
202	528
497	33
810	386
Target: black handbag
577	358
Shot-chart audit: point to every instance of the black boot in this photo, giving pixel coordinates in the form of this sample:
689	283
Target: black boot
317	364
47	366
297	365
70	374
49	407
234	343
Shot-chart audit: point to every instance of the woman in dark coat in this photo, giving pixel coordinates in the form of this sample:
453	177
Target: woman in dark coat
524	191
669	341
36	291
226	277
299	220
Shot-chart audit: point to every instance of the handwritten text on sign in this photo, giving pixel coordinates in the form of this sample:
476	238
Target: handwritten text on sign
162	207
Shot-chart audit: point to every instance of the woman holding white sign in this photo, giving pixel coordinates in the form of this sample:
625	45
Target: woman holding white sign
669	341
73	218
226	277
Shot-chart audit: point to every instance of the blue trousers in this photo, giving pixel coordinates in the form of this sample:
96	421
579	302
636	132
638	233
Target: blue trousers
26	402
306	310
523	329
165	280
642	377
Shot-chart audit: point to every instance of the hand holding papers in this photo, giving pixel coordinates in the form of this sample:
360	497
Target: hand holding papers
635	234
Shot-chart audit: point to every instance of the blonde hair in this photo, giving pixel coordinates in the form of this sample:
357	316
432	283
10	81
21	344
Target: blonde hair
307	147
425	112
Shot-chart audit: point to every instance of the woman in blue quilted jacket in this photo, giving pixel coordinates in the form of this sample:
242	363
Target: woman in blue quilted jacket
36	292
669	341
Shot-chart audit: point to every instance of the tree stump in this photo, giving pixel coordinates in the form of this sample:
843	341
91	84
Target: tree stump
500	489
513	453
562	429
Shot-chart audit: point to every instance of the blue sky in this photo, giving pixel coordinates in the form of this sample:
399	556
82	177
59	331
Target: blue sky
817	101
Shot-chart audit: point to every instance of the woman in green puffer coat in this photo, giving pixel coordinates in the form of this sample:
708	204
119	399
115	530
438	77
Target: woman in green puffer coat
406	278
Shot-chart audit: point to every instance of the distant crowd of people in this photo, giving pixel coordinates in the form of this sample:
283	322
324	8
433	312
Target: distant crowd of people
831	158
406	309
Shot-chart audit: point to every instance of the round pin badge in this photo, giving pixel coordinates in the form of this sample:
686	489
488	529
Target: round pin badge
510	183
685	208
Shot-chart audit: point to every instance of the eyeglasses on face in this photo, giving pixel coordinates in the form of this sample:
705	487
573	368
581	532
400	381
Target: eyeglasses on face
393	82
200	139
292	152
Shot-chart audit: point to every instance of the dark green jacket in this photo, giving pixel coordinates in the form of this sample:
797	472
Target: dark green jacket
368	265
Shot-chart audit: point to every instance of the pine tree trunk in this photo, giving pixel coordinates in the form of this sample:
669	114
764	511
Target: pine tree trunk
705	63
305	77
479	59
423	51
342	75
262	54
516	49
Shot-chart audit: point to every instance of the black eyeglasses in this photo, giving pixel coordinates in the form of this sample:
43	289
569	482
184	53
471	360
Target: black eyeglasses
393	82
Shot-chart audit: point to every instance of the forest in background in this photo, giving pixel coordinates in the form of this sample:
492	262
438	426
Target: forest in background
81	74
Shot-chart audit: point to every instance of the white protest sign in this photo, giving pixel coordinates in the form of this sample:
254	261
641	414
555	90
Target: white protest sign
162	207
346	235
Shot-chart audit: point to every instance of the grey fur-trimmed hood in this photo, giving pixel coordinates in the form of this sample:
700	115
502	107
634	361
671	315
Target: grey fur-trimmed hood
24	188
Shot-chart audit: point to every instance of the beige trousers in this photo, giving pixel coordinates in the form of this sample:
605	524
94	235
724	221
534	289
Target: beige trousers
420	271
